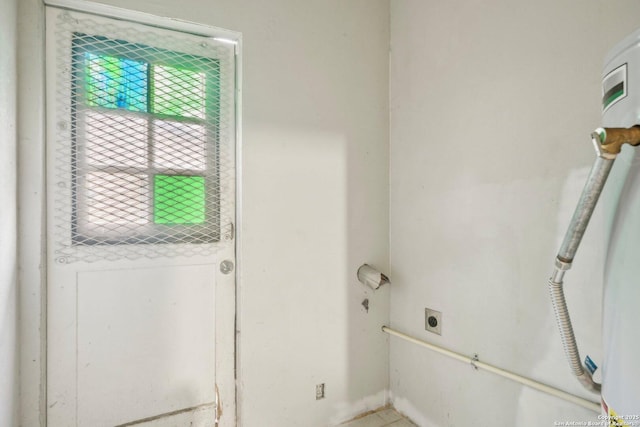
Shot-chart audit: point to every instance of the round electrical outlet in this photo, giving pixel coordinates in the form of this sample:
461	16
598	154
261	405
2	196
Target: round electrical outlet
433	322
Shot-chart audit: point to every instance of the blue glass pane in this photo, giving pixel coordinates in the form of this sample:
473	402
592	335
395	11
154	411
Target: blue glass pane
115	82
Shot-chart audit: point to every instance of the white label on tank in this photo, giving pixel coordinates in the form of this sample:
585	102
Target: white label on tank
614	87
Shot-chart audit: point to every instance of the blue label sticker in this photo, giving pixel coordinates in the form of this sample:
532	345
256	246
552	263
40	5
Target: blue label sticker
591	366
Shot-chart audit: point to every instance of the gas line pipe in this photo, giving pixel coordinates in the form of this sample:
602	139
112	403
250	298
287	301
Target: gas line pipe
608	144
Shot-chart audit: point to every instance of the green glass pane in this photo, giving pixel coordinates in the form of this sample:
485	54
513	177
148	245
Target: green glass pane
115	82
179	199
178	92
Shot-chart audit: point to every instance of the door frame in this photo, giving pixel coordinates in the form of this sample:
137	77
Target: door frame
32	201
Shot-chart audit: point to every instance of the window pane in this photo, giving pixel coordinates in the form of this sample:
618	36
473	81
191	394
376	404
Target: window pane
179	199
178	92
179	146
115	140
117	199
115	82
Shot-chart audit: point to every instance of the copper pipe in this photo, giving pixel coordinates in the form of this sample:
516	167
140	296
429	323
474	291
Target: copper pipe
612	139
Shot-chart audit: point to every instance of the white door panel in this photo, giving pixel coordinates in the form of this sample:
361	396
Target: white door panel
138	334
141	342
145	336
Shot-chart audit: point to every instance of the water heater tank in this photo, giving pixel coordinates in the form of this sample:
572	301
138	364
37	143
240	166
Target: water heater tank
621	299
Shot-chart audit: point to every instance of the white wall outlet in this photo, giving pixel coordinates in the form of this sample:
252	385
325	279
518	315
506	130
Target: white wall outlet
433	321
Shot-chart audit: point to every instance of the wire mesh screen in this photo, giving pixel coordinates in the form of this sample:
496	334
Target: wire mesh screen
143	153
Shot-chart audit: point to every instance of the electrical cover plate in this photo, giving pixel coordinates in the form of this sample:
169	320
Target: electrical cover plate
433	321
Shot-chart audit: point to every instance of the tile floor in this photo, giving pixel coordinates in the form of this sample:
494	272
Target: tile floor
387	417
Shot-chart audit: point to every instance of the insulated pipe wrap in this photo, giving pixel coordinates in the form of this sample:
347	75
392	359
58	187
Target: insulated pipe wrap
586	205
581	216
607	143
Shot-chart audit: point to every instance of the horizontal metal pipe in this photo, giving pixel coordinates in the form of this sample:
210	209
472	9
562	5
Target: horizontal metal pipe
594	406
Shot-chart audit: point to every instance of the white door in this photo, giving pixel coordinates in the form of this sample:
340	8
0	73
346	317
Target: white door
140	234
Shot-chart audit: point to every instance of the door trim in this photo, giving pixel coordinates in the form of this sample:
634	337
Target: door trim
32	198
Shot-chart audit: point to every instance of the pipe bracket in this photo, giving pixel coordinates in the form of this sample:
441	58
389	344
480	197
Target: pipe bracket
475	359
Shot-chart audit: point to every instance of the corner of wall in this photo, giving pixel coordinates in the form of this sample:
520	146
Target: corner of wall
9	350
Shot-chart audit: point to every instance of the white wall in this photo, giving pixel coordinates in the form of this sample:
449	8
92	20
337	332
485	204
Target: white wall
8	271
315	205
492	103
